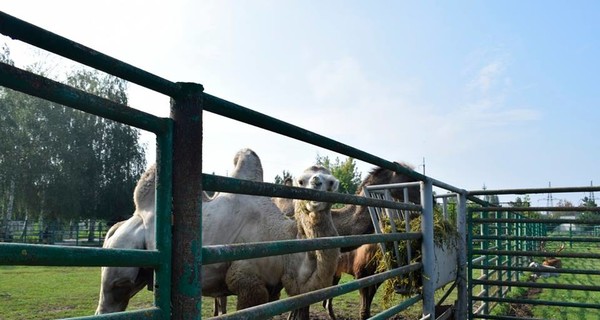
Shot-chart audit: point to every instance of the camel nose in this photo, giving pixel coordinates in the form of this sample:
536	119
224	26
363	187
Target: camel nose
316	182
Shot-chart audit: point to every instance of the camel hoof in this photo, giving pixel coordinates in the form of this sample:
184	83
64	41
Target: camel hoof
300	314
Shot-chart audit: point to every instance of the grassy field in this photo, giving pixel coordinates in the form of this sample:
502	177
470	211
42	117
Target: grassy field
59	292
562	295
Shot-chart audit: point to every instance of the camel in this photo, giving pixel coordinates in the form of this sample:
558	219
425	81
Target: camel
254	281
355	220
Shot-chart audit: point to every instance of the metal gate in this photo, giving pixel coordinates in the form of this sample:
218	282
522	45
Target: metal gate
177	260
520	247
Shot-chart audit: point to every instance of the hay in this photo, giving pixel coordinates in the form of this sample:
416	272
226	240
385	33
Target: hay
410	283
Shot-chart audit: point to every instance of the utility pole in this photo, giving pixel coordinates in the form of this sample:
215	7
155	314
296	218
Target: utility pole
549	199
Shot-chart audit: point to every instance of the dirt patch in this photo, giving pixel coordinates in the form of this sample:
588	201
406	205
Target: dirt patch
524	310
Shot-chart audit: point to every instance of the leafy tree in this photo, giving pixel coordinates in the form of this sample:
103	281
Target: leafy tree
62	163
284	176
589	215
345	171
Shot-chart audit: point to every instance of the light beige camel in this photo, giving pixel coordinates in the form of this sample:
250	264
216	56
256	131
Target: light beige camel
355	220
246	219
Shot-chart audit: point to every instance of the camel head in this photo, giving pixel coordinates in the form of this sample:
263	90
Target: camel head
317	178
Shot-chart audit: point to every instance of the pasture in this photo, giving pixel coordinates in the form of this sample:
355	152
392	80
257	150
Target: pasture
40	293
562	295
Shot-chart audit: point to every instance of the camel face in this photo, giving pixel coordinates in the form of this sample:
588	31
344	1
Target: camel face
317	178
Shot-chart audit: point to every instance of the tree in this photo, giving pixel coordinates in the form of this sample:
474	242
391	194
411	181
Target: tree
65	163
345	171
284	176
589	215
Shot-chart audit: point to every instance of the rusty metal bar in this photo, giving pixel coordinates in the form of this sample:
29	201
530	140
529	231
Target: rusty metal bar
164	192
186	294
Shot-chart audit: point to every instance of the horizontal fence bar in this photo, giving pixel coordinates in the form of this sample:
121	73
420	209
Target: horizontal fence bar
536	285
536	238
41	87
534	209
537	254
533	191
44	39
540	269
230	252
234	111
484	316
224	184
386	314
376	187
271	309
149	313
50	255
540	302
545	221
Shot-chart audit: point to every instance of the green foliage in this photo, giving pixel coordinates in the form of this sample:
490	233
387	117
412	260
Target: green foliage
66	163
284	176
345	171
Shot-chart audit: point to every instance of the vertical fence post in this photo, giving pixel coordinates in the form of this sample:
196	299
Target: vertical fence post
186	112
461	226
427	248
485	245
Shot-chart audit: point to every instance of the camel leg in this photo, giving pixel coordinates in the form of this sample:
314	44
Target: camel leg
243	281
220	306
328	304
366	298
300	314
117	286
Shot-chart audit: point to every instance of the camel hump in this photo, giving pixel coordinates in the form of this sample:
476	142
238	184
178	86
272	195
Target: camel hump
247	166
143	195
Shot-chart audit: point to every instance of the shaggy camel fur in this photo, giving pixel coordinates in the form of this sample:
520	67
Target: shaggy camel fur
255	281
355	220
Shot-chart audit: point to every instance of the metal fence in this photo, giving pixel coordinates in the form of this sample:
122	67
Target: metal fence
509	245
505	239
176	262
74	233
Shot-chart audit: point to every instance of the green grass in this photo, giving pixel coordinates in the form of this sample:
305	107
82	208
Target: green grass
38	293
592	297
562	295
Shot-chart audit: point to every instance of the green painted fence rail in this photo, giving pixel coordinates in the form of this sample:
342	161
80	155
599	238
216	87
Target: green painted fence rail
222	253
291	303
50	255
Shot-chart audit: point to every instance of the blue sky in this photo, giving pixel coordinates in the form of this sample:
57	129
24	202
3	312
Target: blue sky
501	93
